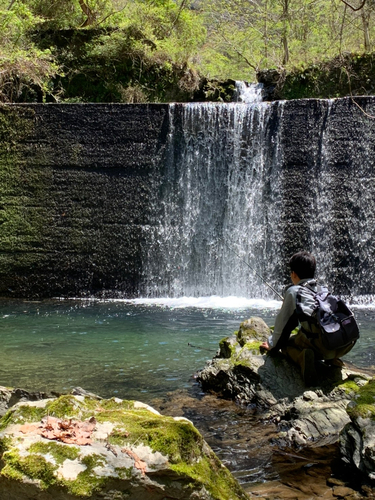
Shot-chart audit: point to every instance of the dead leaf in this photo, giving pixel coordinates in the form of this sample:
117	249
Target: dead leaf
138	463
68	431
28	428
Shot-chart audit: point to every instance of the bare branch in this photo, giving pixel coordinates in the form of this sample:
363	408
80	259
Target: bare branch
234	48
111	14
354	8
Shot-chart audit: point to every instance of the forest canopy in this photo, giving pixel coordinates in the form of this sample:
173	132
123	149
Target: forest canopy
160	50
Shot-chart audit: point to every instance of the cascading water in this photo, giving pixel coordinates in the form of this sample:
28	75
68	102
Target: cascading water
219	179
248	93
261	180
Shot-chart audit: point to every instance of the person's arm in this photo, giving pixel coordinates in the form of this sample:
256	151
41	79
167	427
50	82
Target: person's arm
285	322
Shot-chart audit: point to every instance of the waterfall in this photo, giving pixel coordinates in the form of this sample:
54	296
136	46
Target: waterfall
248	184
215	213
176	200
248	93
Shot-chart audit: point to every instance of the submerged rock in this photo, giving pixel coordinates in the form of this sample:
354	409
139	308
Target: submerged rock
79	446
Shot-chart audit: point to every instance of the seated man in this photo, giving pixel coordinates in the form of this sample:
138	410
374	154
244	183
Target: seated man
306	346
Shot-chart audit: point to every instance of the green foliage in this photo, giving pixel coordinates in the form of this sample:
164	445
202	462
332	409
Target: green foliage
60	14
25	70
245	36
350	74
163	50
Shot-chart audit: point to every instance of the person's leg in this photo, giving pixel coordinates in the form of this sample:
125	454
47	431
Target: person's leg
299	350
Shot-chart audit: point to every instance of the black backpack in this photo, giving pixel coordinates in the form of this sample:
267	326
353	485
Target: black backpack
336	322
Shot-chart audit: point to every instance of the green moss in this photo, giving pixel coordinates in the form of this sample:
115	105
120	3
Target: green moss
112	404
364	402
348	386
252	346
178	440
22	414
60	452
124	472
65	406
215	478
23	188
226	349
33	466
87	481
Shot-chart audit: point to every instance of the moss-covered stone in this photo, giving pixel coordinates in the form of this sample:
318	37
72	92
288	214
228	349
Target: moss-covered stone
23	187
227	347
23	413
252	330
59	452
130	441
363	404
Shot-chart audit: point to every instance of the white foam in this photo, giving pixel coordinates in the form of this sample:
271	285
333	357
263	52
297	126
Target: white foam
249	93
212	302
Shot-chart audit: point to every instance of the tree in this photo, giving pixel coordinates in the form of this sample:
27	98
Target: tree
365	8
24	69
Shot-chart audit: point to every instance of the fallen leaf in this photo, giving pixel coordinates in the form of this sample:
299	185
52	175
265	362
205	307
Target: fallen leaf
138	463
68	431
27	428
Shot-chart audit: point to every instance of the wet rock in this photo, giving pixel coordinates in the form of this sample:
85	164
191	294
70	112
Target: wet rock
357	441
251	330
272	80
305	418
11	396
129	447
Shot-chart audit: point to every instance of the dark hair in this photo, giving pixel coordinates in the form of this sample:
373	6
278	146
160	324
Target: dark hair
303	264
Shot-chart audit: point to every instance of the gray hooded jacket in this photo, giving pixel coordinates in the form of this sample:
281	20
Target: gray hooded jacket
287	320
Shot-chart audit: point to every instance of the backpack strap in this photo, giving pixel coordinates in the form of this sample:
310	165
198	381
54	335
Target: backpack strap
307	296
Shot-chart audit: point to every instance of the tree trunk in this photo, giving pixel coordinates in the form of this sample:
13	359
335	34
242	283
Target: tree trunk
366	33
91	16
284	38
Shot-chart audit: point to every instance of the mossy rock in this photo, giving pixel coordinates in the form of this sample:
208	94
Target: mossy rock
253	330
132	449
363	404
357	440
228	347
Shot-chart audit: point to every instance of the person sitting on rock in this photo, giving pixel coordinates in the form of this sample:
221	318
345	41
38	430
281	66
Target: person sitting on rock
306	346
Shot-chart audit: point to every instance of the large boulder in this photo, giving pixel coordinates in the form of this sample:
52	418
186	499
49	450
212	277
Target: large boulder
357	440
305	417
78	446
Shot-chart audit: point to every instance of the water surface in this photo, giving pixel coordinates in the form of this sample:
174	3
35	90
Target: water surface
133	350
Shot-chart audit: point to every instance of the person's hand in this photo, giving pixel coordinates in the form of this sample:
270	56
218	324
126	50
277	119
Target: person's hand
264	347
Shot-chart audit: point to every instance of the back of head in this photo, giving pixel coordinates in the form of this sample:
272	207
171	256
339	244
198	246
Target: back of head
303	264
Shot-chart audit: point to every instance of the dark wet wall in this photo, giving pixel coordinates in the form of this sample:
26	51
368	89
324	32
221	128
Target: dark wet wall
134	200
77	184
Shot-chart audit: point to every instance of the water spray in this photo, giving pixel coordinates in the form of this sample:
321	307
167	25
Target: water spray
254	270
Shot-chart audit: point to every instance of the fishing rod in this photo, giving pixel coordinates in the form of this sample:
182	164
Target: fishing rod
254	270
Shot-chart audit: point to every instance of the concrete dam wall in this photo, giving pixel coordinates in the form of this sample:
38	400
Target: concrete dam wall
155	200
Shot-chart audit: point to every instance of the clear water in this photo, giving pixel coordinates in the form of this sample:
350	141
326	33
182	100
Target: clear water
133	350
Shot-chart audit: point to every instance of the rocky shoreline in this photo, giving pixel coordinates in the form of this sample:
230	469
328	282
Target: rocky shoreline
320	440
339	411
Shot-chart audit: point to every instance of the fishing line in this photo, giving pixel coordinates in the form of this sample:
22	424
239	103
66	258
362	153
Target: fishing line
203	348
254	270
